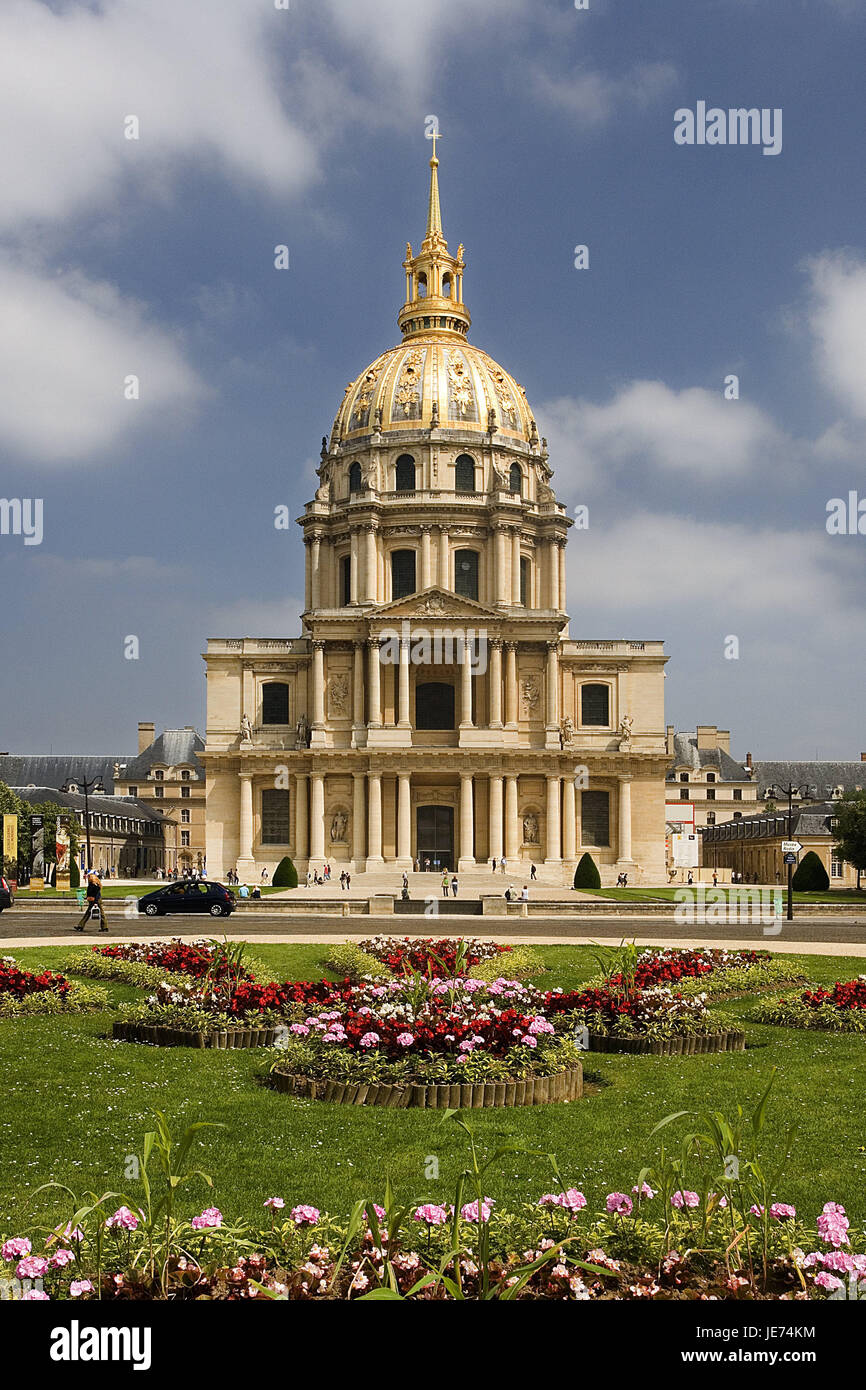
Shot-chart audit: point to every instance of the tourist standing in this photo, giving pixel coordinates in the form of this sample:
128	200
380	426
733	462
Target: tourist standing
445	884
454	886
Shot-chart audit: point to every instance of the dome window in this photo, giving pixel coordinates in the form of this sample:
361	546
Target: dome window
515	479
464	474
354	478
466	573
422	286
405	473
446	286
402	573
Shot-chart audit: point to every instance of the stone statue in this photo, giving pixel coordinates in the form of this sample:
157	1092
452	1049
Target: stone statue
302	732
246	730
530	828
338	693
491	421
566	732
625	728
339	825
529	688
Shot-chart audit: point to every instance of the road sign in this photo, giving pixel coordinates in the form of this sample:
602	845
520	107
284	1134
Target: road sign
790	858
791	846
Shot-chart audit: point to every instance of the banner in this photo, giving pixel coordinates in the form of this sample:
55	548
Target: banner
10	845
63	840
37	852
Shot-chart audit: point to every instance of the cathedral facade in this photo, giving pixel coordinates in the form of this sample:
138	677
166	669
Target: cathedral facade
435	711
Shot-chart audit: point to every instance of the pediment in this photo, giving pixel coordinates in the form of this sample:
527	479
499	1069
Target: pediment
436	604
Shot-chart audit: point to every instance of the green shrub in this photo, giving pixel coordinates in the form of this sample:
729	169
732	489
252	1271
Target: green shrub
586	874
518	964
79	999
74	875
285	874
348	959
810	876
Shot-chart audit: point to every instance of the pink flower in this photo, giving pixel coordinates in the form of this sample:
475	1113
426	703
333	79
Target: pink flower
80	1286
370	1040
528	1040
469	1212
35	1296
14	1249
572	1200
304	1215
431	1215
405	1039
685	1199
275	1203
833	1225
645	1191
210	1218
618	1202
756	1211
125	1218
61	1258
781	1212
31	1267
828	1281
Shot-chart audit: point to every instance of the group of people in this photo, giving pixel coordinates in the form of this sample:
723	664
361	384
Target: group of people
622	880
512	897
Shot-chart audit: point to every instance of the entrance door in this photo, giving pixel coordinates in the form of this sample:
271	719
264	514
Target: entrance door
435	837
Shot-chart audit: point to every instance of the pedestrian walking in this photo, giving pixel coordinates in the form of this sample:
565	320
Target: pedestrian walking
454	886
94	903
503	863
445	884
533	872
494	863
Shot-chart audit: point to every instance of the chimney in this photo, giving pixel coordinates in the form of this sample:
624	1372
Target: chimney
723	737
749	761
669	739
146	735
863	757
707	736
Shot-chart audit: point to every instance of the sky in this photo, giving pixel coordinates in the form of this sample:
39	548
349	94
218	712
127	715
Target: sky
302	123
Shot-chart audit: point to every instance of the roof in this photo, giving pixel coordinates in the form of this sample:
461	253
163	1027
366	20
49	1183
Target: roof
811	818
688	754
824	776
56	770
126	806
173	748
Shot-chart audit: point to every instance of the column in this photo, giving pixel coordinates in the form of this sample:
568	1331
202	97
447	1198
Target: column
246	817
358	818
444	557
317	816
495	816
563	586
358	685
404	821
354	583
553	851
374	712
511	685
374	819
494	679
551	568
318	685
426	557
624	838
316	571
465	687
302	816
552	684
370	566
500	594
403	692
569	825
467	822
512	842
308	574
515	566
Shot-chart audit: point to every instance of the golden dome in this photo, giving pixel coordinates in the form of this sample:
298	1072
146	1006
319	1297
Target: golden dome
435	379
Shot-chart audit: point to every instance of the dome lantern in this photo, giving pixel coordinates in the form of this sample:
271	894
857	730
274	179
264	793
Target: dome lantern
434	278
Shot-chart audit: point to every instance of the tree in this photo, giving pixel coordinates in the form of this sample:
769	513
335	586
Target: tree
285	874
586	874
850	830
810	876
12	804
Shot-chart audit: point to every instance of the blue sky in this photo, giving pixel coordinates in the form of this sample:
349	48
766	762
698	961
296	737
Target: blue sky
261	126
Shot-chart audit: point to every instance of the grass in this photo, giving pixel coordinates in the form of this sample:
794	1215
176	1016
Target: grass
668	894
76	1104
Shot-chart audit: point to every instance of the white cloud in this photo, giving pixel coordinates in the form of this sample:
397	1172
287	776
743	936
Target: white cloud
66	346
694	433
593	97
837	320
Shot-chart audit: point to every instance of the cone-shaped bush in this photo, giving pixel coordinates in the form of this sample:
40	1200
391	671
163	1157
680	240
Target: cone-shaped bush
285	874
586	874
810	876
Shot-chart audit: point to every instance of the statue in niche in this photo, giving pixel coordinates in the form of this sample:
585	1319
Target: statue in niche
339	826
246	729
338	693
625	728
302	732
530	828
529	688
566	732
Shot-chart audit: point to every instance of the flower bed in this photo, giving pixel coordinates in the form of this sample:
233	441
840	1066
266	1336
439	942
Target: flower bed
704	970
635	1020
22	992
197	959
841	1009
445	956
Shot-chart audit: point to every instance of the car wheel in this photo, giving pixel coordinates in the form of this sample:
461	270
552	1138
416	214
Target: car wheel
216	910
151	910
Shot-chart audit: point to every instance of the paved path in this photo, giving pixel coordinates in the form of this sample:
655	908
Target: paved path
812	935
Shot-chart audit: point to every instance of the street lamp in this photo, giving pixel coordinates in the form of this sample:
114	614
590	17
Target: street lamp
792	790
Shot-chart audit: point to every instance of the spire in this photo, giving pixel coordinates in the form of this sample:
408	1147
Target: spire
434	279
434	211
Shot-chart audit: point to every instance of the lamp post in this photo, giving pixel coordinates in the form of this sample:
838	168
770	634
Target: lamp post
802	790
88	787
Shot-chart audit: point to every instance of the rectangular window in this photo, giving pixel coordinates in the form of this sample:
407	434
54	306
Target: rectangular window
595	705
738	793
159	792
836	868
711	817
711	793
184	837
275	817
595	811
684	794
133	791
185	792
345	581
184	817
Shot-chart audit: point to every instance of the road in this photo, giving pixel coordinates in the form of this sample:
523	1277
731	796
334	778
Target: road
827	934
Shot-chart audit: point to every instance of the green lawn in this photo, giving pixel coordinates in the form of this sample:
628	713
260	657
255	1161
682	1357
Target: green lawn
75	1105
668	894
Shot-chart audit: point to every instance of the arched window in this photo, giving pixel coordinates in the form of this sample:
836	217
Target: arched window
405	473
422	286
595	818
464	474
524	581
446	286
354	478
402	573
345	580
434	705
275	703
275	817
515	478
158	775
595	707
466	573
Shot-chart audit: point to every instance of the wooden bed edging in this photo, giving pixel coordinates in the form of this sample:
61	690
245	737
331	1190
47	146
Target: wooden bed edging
688	1045
158	1035
564	1085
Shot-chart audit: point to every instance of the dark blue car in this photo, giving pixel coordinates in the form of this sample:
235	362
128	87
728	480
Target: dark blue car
188	895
